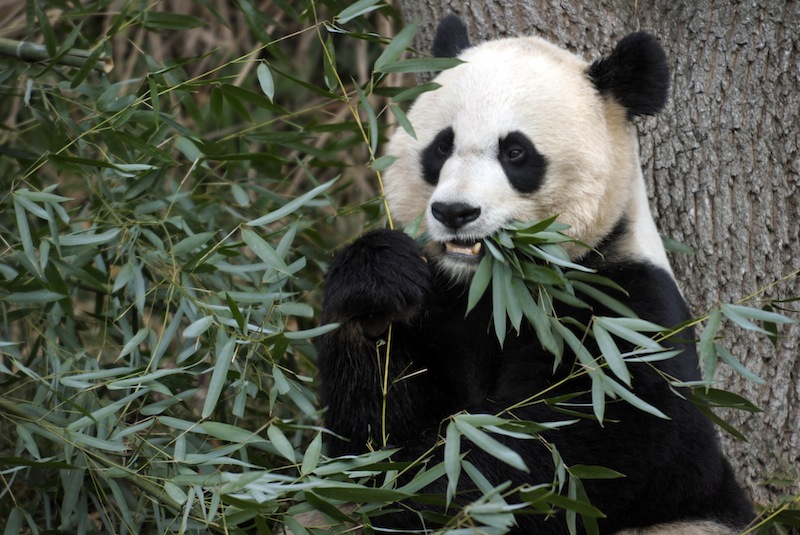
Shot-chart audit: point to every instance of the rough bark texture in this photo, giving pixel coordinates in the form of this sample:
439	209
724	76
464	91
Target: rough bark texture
723	167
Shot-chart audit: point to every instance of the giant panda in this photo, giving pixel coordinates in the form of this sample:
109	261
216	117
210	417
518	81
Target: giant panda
521	130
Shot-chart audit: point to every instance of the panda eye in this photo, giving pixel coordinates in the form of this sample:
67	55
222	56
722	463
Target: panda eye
515	154
444	148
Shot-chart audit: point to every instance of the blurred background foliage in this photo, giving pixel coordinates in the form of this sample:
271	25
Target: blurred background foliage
170	202
163	232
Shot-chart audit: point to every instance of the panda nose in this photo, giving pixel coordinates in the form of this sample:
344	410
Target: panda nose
455	215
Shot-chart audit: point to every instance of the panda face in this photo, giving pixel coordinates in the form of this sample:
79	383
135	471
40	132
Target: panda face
519	132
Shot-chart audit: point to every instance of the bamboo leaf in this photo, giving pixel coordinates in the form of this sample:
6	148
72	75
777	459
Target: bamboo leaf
312	455
707	347
134	342
480	282
311	333
357	9
265	80
402	120
491	446
623	331
359	494
372	121
291	206
611	353
397	46
420	65
583	471
740	368
631	398
498	301
452	459
281	443
265	251
198	327
219	376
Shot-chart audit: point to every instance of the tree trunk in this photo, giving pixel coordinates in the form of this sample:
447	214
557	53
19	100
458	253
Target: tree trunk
723	169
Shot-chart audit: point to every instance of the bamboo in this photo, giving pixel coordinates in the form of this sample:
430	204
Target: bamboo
33	52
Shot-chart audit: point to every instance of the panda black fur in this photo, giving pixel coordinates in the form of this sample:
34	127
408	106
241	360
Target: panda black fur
522	130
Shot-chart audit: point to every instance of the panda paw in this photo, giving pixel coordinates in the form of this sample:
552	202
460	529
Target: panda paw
381	277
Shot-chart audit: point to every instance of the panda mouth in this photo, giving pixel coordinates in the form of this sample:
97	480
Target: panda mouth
462	249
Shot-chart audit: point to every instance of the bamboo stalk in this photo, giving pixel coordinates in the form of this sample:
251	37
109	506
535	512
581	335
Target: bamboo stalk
33	52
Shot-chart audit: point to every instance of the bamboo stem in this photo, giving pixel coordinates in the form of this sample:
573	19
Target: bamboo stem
33	52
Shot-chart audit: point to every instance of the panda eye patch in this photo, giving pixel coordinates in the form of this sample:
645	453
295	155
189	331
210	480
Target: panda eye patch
522	163
436	154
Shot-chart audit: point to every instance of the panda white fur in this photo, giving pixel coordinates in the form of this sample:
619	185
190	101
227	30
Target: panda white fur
522	130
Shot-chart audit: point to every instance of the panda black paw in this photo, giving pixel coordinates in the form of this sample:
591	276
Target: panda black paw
380	278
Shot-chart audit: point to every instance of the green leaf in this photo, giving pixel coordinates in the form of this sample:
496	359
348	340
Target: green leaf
611	353
235	312
711	415
188	148
265	251
480	282
420	65
402	120
413	92
219	376
722	398
134	342
741	315
360	494
383	163
452	459
626	331
281	443
291	206
604	299
36	297
397	46
579	506
311	333
265	80
372	121
312	455
500	278
160	20
740	368
362	7
329	65
191	243
631	398
675	246
75	240
198	327
86	68
491	446
583	471
100	414
707	347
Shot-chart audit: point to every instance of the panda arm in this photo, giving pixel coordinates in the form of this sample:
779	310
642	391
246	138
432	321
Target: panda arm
378	280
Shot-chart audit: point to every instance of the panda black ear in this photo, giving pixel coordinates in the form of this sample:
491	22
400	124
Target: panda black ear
451	38
635	74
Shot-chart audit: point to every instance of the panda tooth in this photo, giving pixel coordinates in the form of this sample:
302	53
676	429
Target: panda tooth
466	250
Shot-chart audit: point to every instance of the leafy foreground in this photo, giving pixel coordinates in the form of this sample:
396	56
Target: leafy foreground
164	229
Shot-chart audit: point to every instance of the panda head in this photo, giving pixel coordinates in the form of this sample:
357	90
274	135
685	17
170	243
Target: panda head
523	130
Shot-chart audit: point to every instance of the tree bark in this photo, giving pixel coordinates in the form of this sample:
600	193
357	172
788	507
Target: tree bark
722	163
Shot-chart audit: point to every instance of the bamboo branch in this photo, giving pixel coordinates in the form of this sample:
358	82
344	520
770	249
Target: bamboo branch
33	52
